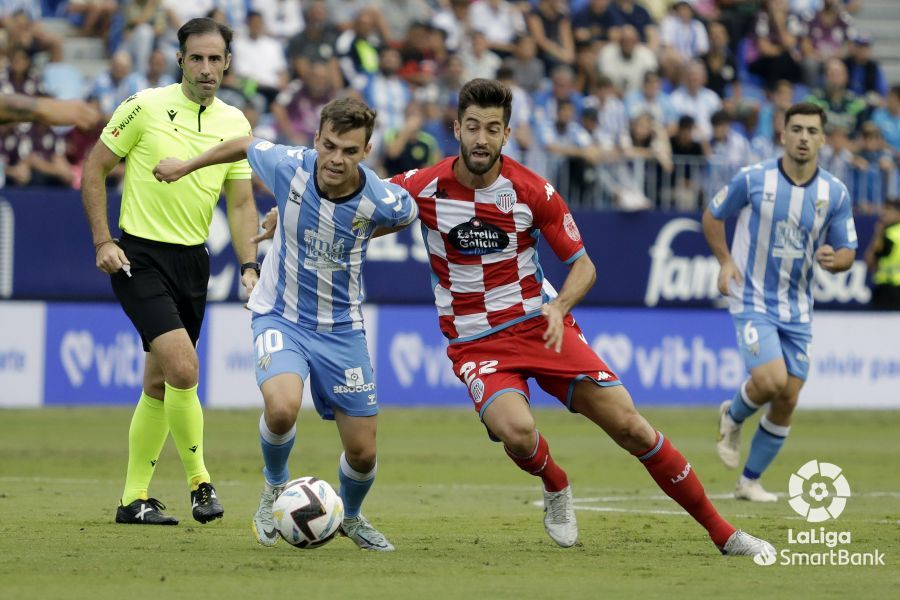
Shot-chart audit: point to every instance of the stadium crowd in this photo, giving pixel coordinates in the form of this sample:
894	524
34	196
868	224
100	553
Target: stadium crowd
624	104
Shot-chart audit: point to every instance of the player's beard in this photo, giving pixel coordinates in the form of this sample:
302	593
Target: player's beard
482	167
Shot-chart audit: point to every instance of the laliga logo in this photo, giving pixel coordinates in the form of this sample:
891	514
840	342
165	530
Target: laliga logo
827	489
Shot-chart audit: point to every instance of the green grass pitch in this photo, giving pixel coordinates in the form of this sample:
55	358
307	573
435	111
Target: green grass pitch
465	520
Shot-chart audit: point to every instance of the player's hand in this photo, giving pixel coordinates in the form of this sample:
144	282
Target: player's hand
249	280
727	272
169	170
268	226
825	257
81	114
111	259
553	337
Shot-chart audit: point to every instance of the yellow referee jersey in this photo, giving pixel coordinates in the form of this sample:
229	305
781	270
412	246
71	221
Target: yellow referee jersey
161	122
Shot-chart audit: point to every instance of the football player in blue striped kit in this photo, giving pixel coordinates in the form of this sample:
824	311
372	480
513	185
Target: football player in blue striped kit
307	317
791	215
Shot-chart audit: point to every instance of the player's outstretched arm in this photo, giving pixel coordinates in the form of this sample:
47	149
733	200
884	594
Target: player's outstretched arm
15	108
173	169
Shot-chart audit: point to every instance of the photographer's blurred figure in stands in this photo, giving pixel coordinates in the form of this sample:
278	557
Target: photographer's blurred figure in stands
876	171
883	258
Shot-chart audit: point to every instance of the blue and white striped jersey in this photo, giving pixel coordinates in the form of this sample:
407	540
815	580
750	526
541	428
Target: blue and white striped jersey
312	273
779	228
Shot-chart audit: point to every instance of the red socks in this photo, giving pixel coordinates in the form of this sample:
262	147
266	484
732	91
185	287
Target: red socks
541	464
675	476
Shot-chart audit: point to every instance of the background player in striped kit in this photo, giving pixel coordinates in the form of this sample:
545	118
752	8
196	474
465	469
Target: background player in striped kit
791	214
307	317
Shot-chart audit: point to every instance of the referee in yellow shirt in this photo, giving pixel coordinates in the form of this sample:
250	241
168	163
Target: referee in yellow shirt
160	267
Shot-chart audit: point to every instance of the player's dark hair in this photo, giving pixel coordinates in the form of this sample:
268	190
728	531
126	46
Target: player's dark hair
202	26
806	108
347	114
485	93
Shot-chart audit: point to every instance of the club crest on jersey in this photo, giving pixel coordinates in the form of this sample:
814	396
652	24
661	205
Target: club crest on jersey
571	228
361	227
477	237
505	200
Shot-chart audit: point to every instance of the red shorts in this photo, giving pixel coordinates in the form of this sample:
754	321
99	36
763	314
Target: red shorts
504	361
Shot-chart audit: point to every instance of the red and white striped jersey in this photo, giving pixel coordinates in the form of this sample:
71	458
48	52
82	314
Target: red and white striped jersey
482	245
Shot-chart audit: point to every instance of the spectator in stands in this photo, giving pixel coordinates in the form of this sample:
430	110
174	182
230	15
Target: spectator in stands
520	138
570	152
409	147
612	120
316	43
158	74
477	59
282	19
740	18
113	86
18	76
650	153
842	106
693	99
145	20
721	65
630	13
422	52
729	151
25	31
626	60
586	73
528	70
653	100
399	15
865	76
47	161
454	21
296	109
501	23
259	57
689	156
774	54
357	48
836	155
550	26
682	35
92	17
826	34
545	102
387	93
773	110
888	119
594	22
875	178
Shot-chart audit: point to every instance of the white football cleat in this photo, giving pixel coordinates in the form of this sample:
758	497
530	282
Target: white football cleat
729	445
263	521
752	490
742	543
559	517
364	535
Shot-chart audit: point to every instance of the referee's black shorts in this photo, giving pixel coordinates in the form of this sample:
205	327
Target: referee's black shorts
167	287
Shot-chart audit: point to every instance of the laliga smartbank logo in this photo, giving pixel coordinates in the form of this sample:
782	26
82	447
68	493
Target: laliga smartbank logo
818	492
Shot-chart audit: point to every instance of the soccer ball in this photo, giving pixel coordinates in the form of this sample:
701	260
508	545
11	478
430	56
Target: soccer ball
308	513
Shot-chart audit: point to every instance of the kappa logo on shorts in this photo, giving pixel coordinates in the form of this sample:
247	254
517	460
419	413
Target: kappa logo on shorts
355	382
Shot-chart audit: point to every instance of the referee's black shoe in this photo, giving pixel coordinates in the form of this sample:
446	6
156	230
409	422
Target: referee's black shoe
144	512
205	504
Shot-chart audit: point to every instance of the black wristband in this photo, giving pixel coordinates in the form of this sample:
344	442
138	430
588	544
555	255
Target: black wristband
250	265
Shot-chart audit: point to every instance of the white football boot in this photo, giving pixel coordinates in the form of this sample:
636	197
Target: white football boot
263	521
729	445
752	490
364	535
559	517
742	543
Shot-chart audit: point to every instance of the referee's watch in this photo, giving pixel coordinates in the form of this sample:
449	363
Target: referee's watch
250	265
